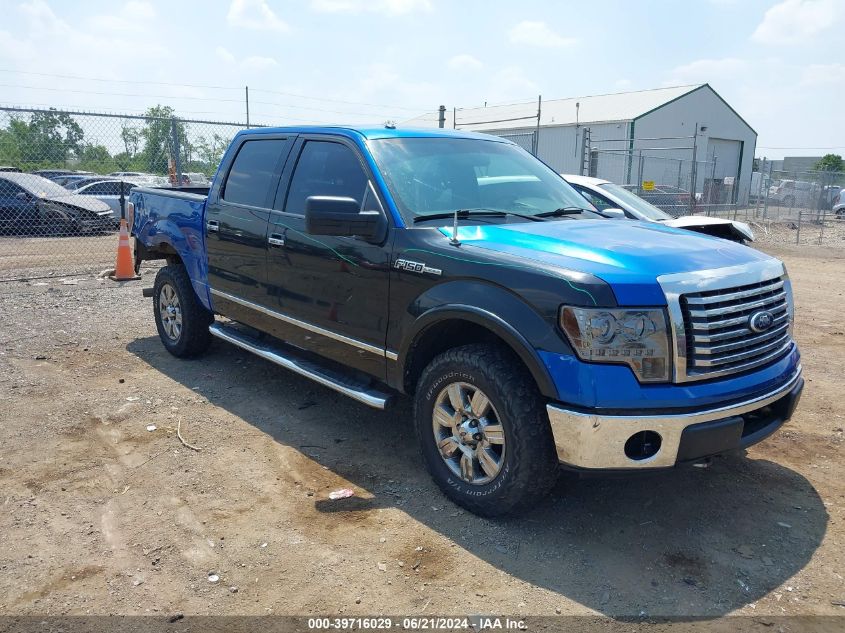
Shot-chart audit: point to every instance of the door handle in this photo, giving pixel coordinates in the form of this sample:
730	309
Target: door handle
276	239
212	226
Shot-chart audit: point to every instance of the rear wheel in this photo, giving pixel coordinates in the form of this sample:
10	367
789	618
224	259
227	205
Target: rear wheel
181	320
483	430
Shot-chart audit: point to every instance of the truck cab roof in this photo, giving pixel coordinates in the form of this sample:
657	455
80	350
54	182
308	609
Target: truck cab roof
372	132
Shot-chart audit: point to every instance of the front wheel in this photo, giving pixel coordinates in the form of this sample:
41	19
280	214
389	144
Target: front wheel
483	430
182	321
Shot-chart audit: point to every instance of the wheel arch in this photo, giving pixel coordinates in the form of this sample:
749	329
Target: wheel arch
449	326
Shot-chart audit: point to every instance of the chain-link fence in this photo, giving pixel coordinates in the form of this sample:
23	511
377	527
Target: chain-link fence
63	174
801	206
678	186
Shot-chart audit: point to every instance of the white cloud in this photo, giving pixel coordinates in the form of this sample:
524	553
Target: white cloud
512	82
139	10
256	15
464	62
253	62
538	34
224	55
133	16
708	71
797	21
257	62
391	7
822	74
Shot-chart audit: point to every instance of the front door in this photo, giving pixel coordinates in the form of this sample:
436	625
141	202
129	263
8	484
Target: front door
332	290
236	218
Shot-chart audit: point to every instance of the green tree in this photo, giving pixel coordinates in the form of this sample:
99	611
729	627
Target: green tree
131	138
158	139
208	153
48	139
830	162
96	158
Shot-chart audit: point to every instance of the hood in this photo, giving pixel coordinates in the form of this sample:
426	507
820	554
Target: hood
627	255
88	203
719	227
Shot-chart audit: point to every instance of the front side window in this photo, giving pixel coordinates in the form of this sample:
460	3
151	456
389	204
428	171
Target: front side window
253	172
597	201
325	169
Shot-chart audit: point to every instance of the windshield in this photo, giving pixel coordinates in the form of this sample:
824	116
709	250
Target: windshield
634	203
429	176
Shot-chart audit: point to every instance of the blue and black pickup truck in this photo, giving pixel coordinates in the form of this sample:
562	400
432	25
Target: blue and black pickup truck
456	268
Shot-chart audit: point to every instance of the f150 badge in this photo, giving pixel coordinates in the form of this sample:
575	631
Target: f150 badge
416	267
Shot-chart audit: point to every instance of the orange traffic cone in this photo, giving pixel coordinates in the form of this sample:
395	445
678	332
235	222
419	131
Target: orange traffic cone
124	269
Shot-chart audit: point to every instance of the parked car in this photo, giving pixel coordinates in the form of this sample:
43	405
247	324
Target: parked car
828	195
65	179
129	174
52	173
196	179
77	183
795	193
839	204
109	192
673	200
34	205
605	195
458	269
7	168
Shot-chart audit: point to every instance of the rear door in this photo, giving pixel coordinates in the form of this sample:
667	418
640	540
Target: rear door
236	218
329	294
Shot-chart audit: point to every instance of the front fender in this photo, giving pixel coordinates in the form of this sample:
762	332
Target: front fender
495	308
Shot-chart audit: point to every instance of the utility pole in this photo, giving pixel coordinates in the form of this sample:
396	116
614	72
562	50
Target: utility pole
441	120
246	93
694	170
537	131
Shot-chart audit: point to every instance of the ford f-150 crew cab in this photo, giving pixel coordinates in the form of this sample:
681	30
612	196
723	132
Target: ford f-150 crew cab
460	270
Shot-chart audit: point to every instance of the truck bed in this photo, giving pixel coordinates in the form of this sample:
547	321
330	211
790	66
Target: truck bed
170	222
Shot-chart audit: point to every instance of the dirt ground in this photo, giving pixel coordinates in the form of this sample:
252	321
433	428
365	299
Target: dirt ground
101	515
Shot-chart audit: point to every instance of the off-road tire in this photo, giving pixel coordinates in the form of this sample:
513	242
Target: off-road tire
194	337
530	464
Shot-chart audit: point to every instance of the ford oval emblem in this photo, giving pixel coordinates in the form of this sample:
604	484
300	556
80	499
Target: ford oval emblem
761	321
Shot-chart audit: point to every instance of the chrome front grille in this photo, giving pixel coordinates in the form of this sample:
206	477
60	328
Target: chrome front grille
719	339
710	313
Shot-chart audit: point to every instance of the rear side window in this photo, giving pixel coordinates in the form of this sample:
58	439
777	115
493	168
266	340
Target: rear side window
103	189
253	172
325	169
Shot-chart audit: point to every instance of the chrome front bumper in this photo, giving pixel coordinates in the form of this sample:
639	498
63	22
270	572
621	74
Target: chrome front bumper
589	441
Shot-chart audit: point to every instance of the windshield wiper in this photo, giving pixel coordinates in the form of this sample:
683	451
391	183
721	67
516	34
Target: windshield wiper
561	211
465	213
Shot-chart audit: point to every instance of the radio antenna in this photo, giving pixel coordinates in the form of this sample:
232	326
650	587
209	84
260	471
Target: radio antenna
454	241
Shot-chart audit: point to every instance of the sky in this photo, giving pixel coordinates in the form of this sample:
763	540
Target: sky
779	63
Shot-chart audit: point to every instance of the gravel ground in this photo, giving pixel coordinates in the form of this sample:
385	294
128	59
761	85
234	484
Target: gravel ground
104	511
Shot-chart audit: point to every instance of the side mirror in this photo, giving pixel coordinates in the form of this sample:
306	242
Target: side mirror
22	196
614	214
333	215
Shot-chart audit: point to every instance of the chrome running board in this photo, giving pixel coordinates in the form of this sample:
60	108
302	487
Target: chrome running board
346	385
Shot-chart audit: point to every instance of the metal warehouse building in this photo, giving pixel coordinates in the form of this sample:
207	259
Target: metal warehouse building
631	138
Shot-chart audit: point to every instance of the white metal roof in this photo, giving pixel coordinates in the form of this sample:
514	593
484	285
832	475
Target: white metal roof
622	106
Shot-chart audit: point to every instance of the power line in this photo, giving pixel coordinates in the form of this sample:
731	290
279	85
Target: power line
772	147
210	87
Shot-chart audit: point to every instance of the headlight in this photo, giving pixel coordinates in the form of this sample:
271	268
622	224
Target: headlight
638	338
